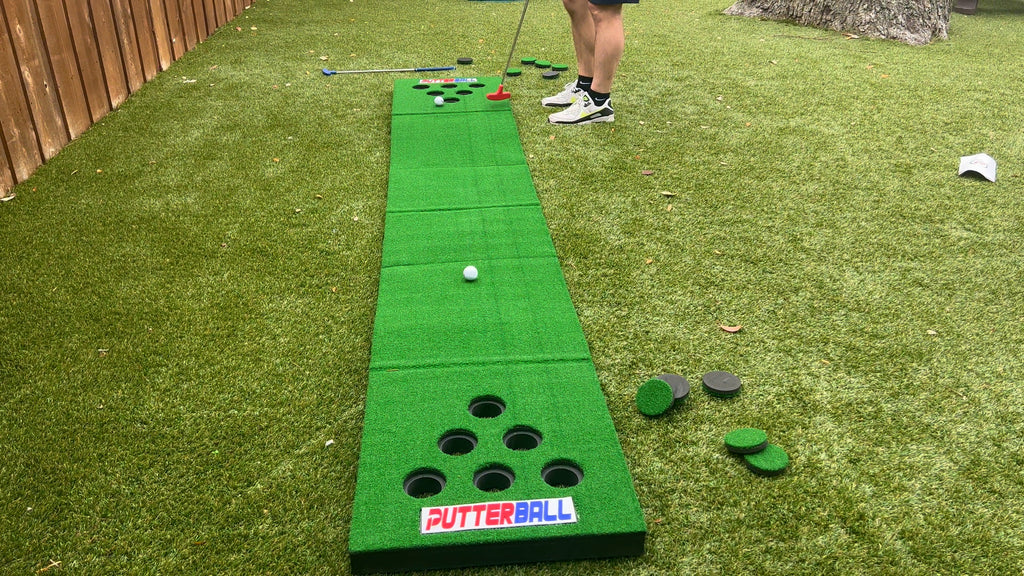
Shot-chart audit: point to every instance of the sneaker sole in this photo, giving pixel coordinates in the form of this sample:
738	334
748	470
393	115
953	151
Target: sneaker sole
587	120
555	104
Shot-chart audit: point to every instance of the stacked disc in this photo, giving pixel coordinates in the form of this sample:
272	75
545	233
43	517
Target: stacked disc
660	393
761	457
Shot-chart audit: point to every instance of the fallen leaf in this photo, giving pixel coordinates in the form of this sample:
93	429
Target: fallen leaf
334	289
730	329
319	197
933	333
649	261
647	172
668	208
277	159
885	75
667	194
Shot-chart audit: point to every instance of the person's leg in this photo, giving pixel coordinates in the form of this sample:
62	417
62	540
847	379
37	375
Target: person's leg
582	24
609	44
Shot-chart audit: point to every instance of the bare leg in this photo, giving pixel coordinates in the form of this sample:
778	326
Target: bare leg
609	44
582	34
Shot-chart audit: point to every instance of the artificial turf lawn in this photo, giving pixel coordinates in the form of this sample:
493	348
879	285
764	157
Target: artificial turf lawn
880	294
441	343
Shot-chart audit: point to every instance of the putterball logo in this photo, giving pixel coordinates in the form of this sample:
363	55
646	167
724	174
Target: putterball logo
490	515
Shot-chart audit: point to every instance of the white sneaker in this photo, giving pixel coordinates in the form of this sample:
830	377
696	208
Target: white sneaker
584	111
569	94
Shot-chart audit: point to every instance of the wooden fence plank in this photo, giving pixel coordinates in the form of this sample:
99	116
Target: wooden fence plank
144	36
89	58
61	53
30	52
188	23
6	176
161	33
111	59
211	16
174	25
125	25
15	119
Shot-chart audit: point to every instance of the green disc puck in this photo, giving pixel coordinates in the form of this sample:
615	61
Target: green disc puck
551	74
513	72
528	60
721	384
654	397
771	461
542	64
746	441
560	67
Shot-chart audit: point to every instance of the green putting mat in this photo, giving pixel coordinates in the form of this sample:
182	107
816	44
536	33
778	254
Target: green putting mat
486	436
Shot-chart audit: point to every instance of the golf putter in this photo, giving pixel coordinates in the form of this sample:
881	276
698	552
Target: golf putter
501	94
436	69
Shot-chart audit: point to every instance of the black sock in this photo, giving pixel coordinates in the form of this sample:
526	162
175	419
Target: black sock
584	82
599	98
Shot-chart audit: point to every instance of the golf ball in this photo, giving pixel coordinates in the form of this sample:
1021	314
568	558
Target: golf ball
439	101
469	273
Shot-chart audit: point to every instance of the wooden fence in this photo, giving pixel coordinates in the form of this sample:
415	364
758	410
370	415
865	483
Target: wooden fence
65	64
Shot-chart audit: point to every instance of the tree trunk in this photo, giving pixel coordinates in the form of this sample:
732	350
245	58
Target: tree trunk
914	22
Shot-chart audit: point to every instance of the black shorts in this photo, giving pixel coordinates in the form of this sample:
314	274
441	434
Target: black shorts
613	2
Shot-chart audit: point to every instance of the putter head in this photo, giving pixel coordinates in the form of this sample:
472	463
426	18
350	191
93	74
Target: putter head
500	94
328	72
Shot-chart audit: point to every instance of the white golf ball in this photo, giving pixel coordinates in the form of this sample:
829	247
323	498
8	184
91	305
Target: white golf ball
469	273
439	101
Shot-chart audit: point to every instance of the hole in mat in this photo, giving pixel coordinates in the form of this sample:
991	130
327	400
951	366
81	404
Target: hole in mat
421	87
457	442
487	407
522	438
562	474
493	478
436	93
424	483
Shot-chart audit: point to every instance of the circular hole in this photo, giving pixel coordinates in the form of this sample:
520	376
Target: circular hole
487	407
477	85
421	87
450	99
457	442
493	478
436	93
449	85
464	92
562	474
424	483
521	438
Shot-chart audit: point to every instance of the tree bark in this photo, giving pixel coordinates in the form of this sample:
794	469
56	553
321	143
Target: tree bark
914	22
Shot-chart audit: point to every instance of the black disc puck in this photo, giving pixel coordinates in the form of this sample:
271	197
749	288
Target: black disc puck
721	384
551	75
464	61
680	386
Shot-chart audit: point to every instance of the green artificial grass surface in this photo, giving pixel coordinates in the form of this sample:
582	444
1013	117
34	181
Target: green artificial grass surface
510	339
182	333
